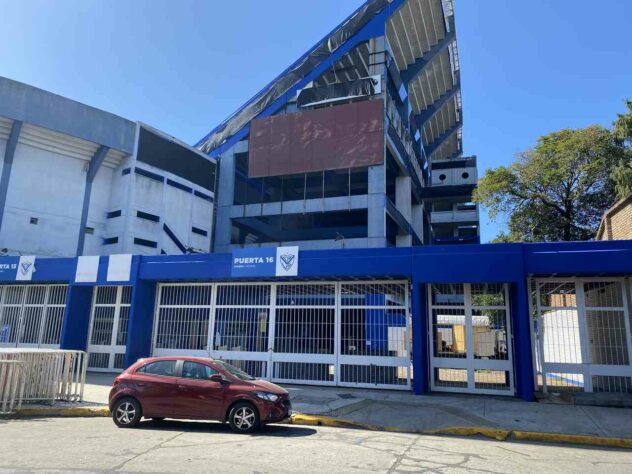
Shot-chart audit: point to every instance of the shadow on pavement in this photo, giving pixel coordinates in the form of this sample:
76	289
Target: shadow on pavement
284	431
102	379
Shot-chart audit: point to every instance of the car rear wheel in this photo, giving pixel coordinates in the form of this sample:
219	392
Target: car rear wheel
126	413
243	418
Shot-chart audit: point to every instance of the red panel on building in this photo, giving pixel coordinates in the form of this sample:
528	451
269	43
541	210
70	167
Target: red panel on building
344	136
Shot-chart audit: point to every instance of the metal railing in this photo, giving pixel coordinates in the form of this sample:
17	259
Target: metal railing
47	375
11	386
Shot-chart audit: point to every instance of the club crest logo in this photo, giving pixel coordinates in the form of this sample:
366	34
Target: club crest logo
287	261
25	267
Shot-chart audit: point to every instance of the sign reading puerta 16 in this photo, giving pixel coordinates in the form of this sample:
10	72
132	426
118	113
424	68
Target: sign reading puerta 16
265	262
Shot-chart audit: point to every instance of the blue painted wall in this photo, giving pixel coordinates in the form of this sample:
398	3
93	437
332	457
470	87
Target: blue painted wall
141	321
504	263
74	330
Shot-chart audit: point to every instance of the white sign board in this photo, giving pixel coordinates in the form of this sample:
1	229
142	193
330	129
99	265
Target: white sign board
87	269
26	266
286	261
119	267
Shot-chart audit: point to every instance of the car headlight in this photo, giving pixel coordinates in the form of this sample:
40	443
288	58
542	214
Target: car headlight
271	397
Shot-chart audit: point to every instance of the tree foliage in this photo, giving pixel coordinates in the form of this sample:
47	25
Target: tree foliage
622	173
559	189
623	125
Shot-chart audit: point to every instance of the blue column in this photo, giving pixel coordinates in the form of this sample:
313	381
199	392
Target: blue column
523	358
420	341
9	153
74	330
93	167
141	321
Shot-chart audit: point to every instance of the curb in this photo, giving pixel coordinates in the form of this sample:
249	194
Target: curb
318	420
68	412
493	433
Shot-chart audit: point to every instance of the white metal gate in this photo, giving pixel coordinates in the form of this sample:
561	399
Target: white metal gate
108	328
581	334
470	338
32	315
322	333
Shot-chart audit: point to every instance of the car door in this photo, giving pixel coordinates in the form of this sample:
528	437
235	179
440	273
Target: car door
156	386
198	396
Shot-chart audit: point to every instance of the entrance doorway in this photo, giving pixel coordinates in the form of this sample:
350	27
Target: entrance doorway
582	335
108	328
470	338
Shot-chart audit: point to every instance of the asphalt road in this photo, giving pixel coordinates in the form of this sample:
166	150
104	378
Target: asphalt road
96	445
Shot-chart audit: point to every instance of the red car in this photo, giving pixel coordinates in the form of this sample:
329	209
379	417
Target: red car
195	388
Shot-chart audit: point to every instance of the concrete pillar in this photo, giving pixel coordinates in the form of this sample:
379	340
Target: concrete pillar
418	221
225	197
376	225
403	204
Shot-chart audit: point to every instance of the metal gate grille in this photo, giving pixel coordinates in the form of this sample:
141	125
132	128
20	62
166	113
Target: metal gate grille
32	315
582	335
324	333
470	338
108	328
241	326
375	335
304	349
183	316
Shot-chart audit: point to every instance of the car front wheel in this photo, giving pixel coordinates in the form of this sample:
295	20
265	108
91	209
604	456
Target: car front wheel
243	418
126	413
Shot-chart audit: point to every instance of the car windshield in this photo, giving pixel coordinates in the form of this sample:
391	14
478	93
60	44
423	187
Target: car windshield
240	374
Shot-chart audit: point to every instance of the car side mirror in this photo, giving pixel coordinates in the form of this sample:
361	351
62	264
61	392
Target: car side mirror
218	378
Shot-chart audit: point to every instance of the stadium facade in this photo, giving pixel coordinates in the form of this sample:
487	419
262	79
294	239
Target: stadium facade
80	181
334	184
358	144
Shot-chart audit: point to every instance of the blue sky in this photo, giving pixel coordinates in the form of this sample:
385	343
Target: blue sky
528	68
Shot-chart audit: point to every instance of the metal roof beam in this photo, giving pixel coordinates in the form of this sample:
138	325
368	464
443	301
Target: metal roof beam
430	112
440	140
414	69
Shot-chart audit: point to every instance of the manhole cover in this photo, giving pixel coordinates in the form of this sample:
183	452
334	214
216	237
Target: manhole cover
346	395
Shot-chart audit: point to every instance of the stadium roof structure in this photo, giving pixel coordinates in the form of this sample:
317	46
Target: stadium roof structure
421	39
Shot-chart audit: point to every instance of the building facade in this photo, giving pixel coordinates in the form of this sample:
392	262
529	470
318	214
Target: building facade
502	319
358	144
76	180
616	223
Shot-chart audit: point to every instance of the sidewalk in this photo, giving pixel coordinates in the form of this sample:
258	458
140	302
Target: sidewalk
425	413
496	417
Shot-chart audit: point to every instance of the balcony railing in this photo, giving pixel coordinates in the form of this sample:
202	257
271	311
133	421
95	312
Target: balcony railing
448	217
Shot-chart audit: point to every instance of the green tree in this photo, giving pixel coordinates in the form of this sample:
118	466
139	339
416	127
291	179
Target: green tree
622	173
558	190
623	125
